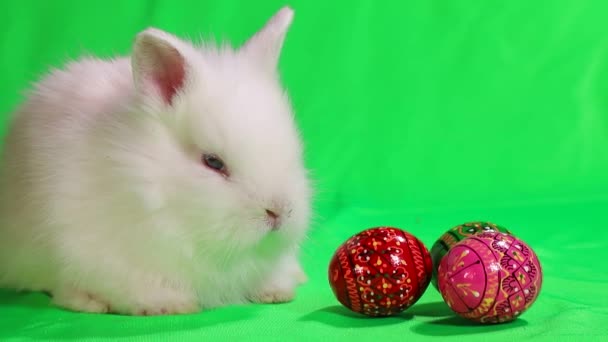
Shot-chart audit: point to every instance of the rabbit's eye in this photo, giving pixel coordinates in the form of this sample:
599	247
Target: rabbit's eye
214	162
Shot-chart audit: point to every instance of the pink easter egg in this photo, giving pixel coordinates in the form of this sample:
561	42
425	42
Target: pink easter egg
491	277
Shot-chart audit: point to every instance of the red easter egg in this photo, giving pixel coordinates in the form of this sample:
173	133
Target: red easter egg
491	277
380	271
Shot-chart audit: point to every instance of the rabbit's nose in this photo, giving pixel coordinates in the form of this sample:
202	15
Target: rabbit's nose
273	219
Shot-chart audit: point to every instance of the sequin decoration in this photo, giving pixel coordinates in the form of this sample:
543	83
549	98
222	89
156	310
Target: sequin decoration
455	235
491	277
380	272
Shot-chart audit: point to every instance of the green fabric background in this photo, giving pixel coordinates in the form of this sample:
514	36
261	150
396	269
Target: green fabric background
418	114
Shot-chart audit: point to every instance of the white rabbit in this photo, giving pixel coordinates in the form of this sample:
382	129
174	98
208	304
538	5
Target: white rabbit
164	183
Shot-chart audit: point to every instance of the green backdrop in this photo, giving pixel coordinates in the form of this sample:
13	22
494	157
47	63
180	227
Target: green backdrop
418	114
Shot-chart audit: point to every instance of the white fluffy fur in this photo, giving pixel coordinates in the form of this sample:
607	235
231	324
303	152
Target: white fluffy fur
104	200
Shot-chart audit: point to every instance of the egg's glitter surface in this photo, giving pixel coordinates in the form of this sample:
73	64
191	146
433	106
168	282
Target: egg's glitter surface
380	271
490	277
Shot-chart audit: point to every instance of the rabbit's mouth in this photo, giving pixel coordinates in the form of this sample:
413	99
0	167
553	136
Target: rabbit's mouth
273	219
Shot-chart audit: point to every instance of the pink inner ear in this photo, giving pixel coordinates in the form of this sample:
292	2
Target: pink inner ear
170	75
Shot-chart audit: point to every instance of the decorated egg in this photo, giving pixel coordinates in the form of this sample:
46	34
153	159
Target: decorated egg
380	271
456	234
490	277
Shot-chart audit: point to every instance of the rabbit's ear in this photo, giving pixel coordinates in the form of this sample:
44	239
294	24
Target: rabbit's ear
265	46
159	67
